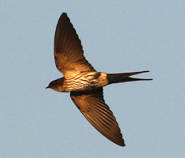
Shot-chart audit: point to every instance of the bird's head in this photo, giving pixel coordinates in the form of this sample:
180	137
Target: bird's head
56	85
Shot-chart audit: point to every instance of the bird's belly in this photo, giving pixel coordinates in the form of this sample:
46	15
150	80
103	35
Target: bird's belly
84	85
83	82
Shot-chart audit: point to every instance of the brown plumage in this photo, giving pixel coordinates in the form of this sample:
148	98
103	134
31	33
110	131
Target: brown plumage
84	82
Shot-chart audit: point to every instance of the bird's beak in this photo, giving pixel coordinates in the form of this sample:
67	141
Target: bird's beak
47	87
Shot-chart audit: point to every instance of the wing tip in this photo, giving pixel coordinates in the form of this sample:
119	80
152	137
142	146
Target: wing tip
122	143
119	141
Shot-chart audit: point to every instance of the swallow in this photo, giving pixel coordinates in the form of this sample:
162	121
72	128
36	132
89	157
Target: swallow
84	83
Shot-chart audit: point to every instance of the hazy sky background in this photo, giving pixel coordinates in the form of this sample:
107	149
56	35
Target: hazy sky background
117	36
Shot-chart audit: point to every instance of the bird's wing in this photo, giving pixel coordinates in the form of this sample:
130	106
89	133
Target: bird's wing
93	107
68	49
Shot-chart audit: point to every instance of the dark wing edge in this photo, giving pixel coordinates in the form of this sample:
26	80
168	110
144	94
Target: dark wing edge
93	107
67	47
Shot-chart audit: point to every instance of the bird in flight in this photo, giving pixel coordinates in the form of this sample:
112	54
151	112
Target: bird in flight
84	83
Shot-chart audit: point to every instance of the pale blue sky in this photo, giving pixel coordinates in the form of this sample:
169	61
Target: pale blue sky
117	36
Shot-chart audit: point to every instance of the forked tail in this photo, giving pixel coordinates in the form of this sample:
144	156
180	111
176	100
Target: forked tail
125	77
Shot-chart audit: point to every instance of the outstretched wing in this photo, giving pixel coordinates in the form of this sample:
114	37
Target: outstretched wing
93	107
68	49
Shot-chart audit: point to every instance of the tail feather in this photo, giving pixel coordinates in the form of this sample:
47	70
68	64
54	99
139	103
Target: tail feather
125	77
